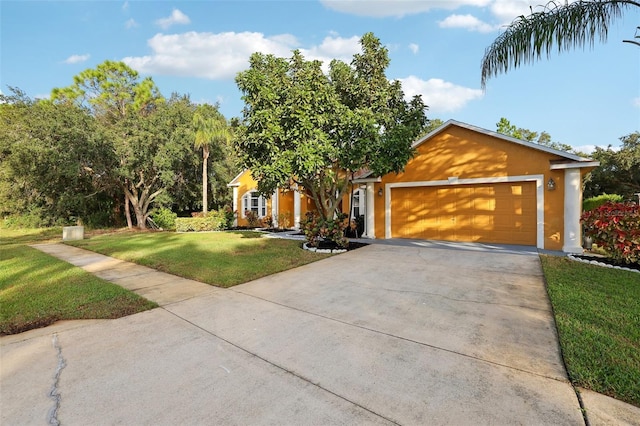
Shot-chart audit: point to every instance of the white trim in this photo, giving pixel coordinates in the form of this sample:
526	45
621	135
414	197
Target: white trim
234	180
235	206
262	203
296	208
538	179
572	208
274	208
574	165
370	225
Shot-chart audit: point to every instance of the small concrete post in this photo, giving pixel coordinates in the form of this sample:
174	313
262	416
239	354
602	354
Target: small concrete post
72	233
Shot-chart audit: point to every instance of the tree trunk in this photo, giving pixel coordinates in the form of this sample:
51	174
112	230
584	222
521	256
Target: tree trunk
127	211
205	178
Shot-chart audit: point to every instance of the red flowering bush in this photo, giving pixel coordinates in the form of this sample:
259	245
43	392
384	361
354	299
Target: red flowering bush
317	229
616	228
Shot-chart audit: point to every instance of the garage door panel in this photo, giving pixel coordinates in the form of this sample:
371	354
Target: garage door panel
499	213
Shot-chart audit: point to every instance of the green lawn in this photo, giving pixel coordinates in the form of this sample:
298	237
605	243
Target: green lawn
597	311
37	290
222	259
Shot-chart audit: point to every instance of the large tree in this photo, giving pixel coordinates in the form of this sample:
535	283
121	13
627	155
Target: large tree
302	127
51	161
561	24
153	154
212	135
126	106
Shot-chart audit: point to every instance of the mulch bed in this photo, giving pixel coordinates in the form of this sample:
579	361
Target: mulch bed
607	261
330	245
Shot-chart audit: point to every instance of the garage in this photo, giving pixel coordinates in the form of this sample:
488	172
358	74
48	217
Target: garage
491	213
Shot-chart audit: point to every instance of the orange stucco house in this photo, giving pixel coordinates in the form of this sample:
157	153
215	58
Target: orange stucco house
464	184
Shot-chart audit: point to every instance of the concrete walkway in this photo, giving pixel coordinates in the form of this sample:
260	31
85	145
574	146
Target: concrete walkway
380	335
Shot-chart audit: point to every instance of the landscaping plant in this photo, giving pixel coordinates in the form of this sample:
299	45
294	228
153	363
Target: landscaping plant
616	228
317	229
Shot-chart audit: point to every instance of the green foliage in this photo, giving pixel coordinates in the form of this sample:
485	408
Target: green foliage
301	126
567	25
619	171
215	220
505	127
112	90
52	160
32	219
317	229
593	202
229	216
212	134
164	218
616	228
596	311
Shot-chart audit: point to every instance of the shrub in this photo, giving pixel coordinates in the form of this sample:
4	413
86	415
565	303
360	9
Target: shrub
164	218
212	222
594	202
616	228
34	218
229	216
317	229
252	218
284	220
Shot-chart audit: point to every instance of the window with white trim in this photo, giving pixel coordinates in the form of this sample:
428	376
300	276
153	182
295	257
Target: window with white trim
356	206
254	202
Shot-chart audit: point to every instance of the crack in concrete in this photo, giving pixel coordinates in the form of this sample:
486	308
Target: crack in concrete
54	393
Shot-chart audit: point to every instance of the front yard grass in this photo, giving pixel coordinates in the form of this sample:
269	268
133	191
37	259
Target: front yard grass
222	259
37	290
597	312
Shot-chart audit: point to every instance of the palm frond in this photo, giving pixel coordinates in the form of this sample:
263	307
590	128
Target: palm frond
566	26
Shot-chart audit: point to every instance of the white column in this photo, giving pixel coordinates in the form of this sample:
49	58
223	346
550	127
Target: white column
296	209
572	209
370	223
235	205
274	208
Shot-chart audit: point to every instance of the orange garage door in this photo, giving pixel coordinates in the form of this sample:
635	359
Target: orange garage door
493	213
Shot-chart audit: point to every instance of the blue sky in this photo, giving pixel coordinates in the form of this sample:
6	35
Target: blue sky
582	98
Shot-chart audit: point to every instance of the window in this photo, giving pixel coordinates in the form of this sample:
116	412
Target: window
356	209
253	201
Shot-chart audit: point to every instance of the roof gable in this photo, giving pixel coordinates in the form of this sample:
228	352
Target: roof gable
532	145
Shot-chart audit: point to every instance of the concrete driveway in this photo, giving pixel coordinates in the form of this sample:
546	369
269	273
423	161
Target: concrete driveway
380	335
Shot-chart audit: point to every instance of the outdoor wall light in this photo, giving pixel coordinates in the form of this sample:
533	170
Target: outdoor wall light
551	184
380	192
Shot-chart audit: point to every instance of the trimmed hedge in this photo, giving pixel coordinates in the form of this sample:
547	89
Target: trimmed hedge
212	222
595	202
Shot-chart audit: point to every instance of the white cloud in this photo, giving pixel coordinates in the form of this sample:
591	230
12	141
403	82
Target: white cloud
333	47
223	55
441	96
503	11
131	23
468	22
414	48
76	59
176	17
125	5
636	102
398	8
